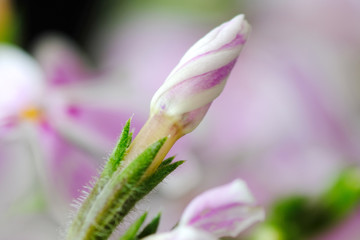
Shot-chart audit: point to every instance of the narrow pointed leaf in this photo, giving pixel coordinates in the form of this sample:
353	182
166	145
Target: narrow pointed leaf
132	231
119	152
152	181
151	228
136	169
117	197
166	161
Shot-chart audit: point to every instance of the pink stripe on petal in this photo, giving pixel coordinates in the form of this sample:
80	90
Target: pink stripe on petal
213	78
192	119
238	40
201	82
206	213
223	211
221	224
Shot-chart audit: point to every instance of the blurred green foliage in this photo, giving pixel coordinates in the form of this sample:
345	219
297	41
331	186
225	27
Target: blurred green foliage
197	6
218	10
344	195
9	24
300	217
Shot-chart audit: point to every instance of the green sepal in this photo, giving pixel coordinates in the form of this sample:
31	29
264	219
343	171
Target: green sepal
145	186
159	175
148	184
118	189
119	152
136	188
121	193
114	160
151	228
137	168
166	161
132	231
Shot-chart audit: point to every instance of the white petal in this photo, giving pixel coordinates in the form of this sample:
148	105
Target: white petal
223	211
182	233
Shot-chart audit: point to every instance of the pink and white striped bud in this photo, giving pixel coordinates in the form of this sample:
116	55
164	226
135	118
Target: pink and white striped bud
219	212
182	101
201	74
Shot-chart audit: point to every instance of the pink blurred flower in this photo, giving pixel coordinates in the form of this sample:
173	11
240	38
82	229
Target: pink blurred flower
54	127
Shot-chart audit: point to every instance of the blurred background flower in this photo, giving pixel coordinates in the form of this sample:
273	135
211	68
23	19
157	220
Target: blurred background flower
73	72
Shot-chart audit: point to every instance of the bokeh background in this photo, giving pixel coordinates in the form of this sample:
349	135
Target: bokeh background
72	73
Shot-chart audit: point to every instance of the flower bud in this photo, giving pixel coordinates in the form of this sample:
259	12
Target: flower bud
182	101
201	74
223	211
219	212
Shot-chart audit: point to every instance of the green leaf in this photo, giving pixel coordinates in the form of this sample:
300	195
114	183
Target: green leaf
130	234
344	194
129	196
159	175
300	217
151	228
166	161
118	196
123	189
119	152
136	169
114	160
